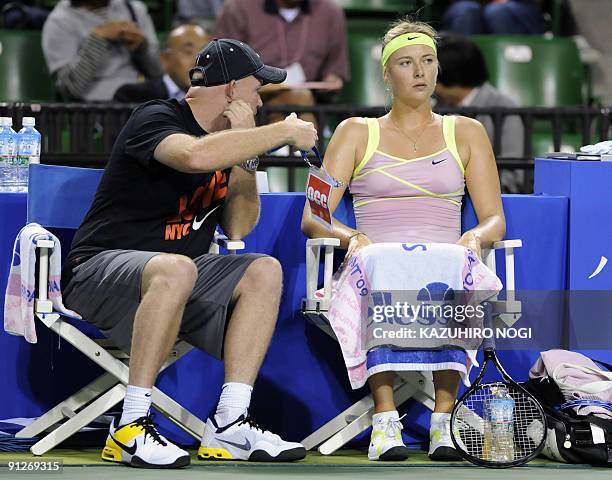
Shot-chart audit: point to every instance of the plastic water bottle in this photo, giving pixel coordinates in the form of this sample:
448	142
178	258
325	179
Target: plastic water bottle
501	408
8	150
28	150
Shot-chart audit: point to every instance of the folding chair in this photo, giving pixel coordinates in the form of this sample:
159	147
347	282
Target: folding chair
409	385
59	197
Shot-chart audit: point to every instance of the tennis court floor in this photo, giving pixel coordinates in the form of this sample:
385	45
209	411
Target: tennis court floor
347	464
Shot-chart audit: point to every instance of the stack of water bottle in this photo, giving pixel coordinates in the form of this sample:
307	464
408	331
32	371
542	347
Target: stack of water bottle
17	151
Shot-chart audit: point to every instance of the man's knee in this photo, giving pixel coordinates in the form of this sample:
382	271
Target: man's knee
264	273
176	273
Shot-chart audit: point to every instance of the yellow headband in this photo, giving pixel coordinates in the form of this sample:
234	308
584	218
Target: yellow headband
404	40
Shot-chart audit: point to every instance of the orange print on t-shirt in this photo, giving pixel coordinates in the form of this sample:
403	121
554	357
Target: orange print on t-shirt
181	224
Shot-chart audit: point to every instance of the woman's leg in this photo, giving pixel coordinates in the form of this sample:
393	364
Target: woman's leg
386	439
381	385
446	385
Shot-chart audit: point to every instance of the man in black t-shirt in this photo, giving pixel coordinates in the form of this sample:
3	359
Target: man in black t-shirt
139	267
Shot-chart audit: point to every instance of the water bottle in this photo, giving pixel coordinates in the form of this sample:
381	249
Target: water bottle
8	148
28	151
501	408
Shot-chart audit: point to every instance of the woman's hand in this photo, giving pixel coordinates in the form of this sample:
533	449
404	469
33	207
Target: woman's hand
356	243
471	240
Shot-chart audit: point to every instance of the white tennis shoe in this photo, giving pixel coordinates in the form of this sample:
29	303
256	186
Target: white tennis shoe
441	447
386	440
139	444
243	439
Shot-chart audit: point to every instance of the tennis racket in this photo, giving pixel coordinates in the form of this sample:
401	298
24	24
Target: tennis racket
498	424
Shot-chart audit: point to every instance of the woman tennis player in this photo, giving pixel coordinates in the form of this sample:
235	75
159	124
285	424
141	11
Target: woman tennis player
407	173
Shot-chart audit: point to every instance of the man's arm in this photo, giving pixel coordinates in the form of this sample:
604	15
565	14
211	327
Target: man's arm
241	209
225	149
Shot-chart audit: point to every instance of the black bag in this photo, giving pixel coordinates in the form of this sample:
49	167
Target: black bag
571	438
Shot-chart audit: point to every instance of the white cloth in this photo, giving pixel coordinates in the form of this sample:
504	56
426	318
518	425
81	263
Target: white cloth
601	148
578	378
399	267
20	288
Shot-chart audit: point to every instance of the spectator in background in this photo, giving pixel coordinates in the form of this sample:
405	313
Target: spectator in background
462	82
20	16
471	17
182	46
200	12
305	37
95	46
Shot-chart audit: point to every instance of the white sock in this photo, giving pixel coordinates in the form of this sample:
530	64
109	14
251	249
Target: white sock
384	417
136	404
234	401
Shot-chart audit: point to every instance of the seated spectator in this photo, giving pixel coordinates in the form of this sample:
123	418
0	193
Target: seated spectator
305	37
200	12
462	82
182	46
470	17
95	46
20	16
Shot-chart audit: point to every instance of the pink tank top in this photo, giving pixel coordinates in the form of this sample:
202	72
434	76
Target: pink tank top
409	201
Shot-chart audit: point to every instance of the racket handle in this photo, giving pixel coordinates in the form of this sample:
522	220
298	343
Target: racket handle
489	342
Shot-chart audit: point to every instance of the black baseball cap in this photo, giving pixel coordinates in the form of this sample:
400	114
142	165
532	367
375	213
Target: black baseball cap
225	59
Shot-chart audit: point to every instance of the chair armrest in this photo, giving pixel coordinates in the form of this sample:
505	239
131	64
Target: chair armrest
313	256
510	306
508	244
42	304
230	245
222	241
313	242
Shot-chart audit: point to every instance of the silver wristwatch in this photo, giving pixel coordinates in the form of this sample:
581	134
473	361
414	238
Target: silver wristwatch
250	165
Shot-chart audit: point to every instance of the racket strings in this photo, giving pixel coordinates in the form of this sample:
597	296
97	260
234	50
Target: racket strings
479	437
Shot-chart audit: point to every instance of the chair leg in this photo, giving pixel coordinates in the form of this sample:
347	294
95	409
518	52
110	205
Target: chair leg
179	415
99	355
84	417
338	423
68	407
423	382
402	392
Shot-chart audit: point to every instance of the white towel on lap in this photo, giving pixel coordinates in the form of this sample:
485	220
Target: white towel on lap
399	267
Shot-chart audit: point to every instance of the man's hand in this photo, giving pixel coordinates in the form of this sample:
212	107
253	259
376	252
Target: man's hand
240	115
111	31
122	32
302	135
132	37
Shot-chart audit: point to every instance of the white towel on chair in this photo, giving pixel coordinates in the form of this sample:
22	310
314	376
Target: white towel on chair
401	267
20	288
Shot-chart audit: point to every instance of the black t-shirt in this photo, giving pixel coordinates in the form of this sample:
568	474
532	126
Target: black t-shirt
142	204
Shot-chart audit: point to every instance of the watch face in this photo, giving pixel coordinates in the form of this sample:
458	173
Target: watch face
251	164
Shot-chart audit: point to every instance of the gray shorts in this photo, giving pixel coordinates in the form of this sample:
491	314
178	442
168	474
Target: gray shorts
105	291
